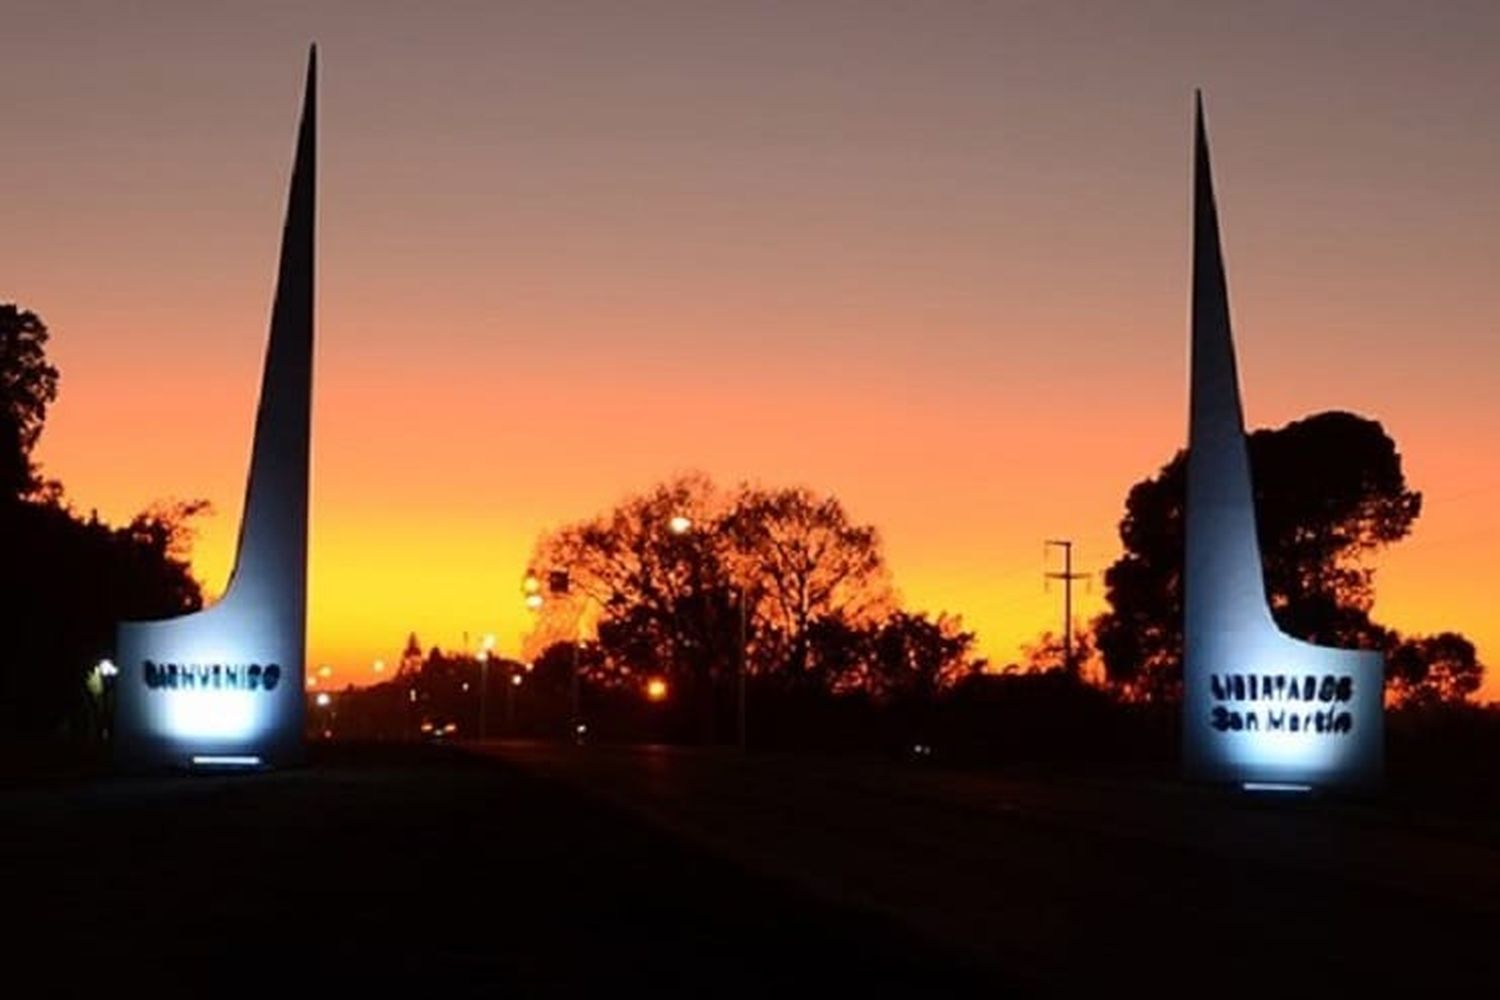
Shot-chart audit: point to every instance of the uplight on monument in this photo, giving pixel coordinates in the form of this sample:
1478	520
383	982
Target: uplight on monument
1259	707
224	686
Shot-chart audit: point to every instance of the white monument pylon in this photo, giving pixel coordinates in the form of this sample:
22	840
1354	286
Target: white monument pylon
1259	707
225	685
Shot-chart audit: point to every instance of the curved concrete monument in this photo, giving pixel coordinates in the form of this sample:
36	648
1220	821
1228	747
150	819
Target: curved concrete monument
1258	705
224	686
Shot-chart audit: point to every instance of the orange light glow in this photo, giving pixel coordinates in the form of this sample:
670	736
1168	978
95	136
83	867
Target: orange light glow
843	297
656	689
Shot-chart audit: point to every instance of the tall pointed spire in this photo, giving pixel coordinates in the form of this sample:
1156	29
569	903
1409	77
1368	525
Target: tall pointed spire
1257	704
272	550
225	684
1223	554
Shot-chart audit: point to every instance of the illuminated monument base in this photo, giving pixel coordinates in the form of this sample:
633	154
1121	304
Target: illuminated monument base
223	686
212	688
1259	707
1283	712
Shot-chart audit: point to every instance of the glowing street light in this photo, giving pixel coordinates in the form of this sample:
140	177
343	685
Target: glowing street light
531	586
486	646
100	684
681	524
656	689
559	584
378	666
510	701
324	699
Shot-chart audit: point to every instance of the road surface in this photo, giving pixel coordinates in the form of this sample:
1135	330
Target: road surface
1072	883
408	872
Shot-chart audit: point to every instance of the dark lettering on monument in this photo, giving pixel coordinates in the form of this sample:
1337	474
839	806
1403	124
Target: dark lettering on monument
1294	703
211	676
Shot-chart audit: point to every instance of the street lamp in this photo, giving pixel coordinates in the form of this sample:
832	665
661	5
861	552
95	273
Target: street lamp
558	583
510	703
325	702
100	684
656	689
681	524
484	677
744	669
531	586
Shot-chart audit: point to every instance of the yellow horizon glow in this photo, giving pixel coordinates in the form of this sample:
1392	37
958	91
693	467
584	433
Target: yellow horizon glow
382	567
929	259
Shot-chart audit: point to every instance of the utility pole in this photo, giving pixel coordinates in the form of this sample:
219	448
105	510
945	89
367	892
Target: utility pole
486	648
744	670
1067	576
484	689
512	681
575	695
558	585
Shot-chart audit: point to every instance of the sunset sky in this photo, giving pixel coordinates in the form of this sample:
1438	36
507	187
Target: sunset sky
929	257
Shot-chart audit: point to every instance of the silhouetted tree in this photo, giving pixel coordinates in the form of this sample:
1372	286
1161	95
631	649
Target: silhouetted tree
648	572
68	581
1046	653
1431	670
803	561
1329	494
28	383
915	656
900	656
662	580
65	580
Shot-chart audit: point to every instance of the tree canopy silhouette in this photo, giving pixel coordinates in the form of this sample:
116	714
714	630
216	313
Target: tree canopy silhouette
67	580
28	383
1330	493
664	578
804	562
1440	669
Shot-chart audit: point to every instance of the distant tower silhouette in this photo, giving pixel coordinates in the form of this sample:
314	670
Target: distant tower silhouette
227	682
1258	705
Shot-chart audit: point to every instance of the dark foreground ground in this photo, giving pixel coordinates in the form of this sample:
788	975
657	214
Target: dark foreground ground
405	871
1098	880
533	870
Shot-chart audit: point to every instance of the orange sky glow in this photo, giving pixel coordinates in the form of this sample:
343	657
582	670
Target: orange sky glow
929	258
